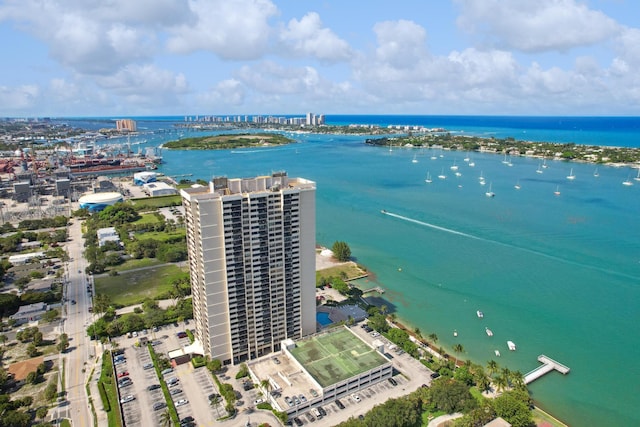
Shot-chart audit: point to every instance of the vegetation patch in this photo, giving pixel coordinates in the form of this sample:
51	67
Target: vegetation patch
133	287
151	203
109	392
148	218
227	141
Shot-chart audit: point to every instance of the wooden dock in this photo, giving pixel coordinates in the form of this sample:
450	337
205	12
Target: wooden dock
377	289
547	366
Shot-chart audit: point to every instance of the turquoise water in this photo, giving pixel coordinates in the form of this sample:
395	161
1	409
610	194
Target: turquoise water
323	318
558	275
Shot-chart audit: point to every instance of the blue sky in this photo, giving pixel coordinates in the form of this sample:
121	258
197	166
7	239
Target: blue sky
177	57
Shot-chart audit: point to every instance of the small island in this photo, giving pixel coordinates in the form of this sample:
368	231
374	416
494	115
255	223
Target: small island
229	141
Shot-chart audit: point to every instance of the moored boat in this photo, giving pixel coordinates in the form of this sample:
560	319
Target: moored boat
511	345
488	331
480	314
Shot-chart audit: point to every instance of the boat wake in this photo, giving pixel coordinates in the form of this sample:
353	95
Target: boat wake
507	245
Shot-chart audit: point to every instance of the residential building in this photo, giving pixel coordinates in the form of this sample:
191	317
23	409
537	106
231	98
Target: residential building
126	125
251	244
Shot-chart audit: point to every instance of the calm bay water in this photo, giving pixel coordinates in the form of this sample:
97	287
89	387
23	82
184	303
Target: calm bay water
558	275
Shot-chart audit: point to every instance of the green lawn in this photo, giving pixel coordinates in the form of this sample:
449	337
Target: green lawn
133	287
163	236
147	219
136	263
351	270
156	202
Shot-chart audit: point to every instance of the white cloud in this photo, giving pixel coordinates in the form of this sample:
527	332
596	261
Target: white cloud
400	43
232	29
21	98
307	37
535	25
226	93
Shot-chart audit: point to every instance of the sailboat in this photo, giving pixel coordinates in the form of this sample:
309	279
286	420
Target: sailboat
490	193
466	159
415	159
544	164
442	175
472	164
517	186
505	161
390	149
454	167
628	182
571	176
557	192
637	178
428	180
595	172
539	170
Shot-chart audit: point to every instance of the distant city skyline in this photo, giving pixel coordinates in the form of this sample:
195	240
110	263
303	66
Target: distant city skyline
278	57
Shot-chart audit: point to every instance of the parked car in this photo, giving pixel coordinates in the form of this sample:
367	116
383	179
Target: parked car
181	402
172	380
297	421
123	374
181	334
393	382
258	401
147	365
126	399
159	405
310	417
167	371
187	420
435	375
322	411
288	400
153	387
339	404
119	362
302	398
356	397
175	391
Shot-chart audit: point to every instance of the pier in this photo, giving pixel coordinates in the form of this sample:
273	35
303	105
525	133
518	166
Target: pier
377	289
547	366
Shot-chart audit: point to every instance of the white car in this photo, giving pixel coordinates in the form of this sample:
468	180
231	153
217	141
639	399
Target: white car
356	397
181	402
126	399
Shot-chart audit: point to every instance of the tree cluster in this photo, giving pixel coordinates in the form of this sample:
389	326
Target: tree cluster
341	251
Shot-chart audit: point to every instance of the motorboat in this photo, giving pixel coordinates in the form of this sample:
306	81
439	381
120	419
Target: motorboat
480	314
497	352
455	333
488	331
511	345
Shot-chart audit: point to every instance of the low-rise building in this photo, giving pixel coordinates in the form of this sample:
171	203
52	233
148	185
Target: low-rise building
107	234
155	189
30	313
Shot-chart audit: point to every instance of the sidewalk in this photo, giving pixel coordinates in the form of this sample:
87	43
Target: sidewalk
95	393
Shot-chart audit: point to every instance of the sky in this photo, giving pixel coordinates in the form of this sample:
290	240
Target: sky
71	58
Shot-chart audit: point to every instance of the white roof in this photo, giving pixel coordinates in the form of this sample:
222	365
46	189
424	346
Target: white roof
110	197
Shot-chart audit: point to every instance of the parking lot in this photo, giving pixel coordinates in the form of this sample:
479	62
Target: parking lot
194	386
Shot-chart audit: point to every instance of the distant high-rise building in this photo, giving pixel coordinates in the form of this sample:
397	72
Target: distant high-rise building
251	245
126	124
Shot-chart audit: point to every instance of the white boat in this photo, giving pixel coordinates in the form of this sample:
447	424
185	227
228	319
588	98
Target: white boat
511	345
415	159
488	331
490	193
454	167
637	178
428	180
480	314
442	175
466	159
571	176
539	170
455	333
458	174
472	164
628	182
557	192
596	173
497	353
505	161
517	186
544	164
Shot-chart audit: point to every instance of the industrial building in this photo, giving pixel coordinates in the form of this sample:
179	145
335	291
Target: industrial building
251	244
141	178
155	189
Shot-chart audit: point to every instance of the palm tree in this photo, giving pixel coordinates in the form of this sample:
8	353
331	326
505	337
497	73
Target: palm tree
266	385
518	380
501	382
165	418
215	400
492	367
458	348
384	309
417	332
433	337
3	339
483	384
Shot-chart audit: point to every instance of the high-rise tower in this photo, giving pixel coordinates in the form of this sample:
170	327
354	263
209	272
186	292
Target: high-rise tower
251	245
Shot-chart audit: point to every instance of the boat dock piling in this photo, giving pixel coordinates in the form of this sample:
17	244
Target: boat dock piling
547	366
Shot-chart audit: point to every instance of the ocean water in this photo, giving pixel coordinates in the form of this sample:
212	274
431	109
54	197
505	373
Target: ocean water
558	275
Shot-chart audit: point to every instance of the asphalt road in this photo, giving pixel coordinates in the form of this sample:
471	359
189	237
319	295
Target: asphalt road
81	353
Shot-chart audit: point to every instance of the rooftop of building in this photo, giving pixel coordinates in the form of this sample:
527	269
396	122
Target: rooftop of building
335	356
223	186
